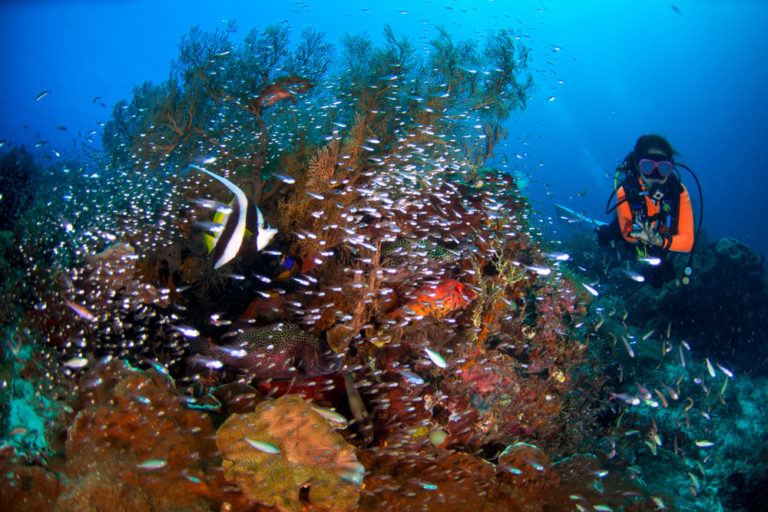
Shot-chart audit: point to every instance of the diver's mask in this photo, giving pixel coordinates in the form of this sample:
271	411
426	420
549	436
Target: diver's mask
655	169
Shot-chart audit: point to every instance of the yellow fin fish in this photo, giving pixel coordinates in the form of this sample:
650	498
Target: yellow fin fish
229	239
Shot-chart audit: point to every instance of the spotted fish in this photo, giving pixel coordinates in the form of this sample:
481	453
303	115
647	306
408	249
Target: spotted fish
280	351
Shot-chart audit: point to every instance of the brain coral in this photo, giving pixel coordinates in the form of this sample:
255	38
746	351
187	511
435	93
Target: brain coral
284	446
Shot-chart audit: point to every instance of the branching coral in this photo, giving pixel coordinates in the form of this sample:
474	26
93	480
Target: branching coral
284	446
218	89
322	167
397	247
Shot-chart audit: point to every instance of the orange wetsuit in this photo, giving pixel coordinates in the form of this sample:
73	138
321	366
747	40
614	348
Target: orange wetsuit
678	240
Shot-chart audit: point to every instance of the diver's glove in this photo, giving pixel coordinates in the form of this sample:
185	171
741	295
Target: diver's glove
647	235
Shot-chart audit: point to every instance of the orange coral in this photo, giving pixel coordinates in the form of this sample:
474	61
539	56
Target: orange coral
134	441
283	446
529	474
322	166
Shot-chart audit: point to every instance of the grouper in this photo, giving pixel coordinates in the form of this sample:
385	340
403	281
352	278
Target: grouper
279	351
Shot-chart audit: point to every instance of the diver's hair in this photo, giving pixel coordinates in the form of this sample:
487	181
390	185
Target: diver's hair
646	143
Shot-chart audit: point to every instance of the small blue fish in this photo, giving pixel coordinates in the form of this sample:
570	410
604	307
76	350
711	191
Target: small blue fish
288	180
725	370
557	256
261	446
542	271
152	464
590	289
411	377
435	358
634	275
329	415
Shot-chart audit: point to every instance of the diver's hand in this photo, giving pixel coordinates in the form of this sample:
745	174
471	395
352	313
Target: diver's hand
647	235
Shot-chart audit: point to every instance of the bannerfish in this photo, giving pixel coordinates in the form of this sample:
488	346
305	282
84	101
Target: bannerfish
436	300
235	223
280	351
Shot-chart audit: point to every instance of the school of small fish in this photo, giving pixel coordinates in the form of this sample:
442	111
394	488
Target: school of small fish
105	301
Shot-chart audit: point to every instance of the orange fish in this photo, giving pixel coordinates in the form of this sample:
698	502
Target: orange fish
274	93
81	311
283	88
436	300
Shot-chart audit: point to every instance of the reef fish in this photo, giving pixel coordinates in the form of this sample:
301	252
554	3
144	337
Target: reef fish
436	300
81	311
236	223
281	89
280	351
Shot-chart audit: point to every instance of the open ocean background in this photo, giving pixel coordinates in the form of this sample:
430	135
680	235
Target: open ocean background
606	72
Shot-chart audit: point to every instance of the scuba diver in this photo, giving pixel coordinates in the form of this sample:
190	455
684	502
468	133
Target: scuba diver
653	209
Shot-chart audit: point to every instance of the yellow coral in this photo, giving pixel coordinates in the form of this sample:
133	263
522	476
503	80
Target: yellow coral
284	446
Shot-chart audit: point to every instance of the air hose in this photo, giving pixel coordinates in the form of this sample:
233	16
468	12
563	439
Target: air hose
689	267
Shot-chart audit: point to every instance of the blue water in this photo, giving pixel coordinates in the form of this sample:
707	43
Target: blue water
606	72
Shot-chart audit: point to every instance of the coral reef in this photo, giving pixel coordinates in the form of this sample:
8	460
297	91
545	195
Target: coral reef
27	488
283	446
406	294
523	478
31	417
133	446
408	481
726	302
281	351
670	360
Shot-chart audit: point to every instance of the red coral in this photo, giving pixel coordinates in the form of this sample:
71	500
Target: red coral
417	481
27	488
482	379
